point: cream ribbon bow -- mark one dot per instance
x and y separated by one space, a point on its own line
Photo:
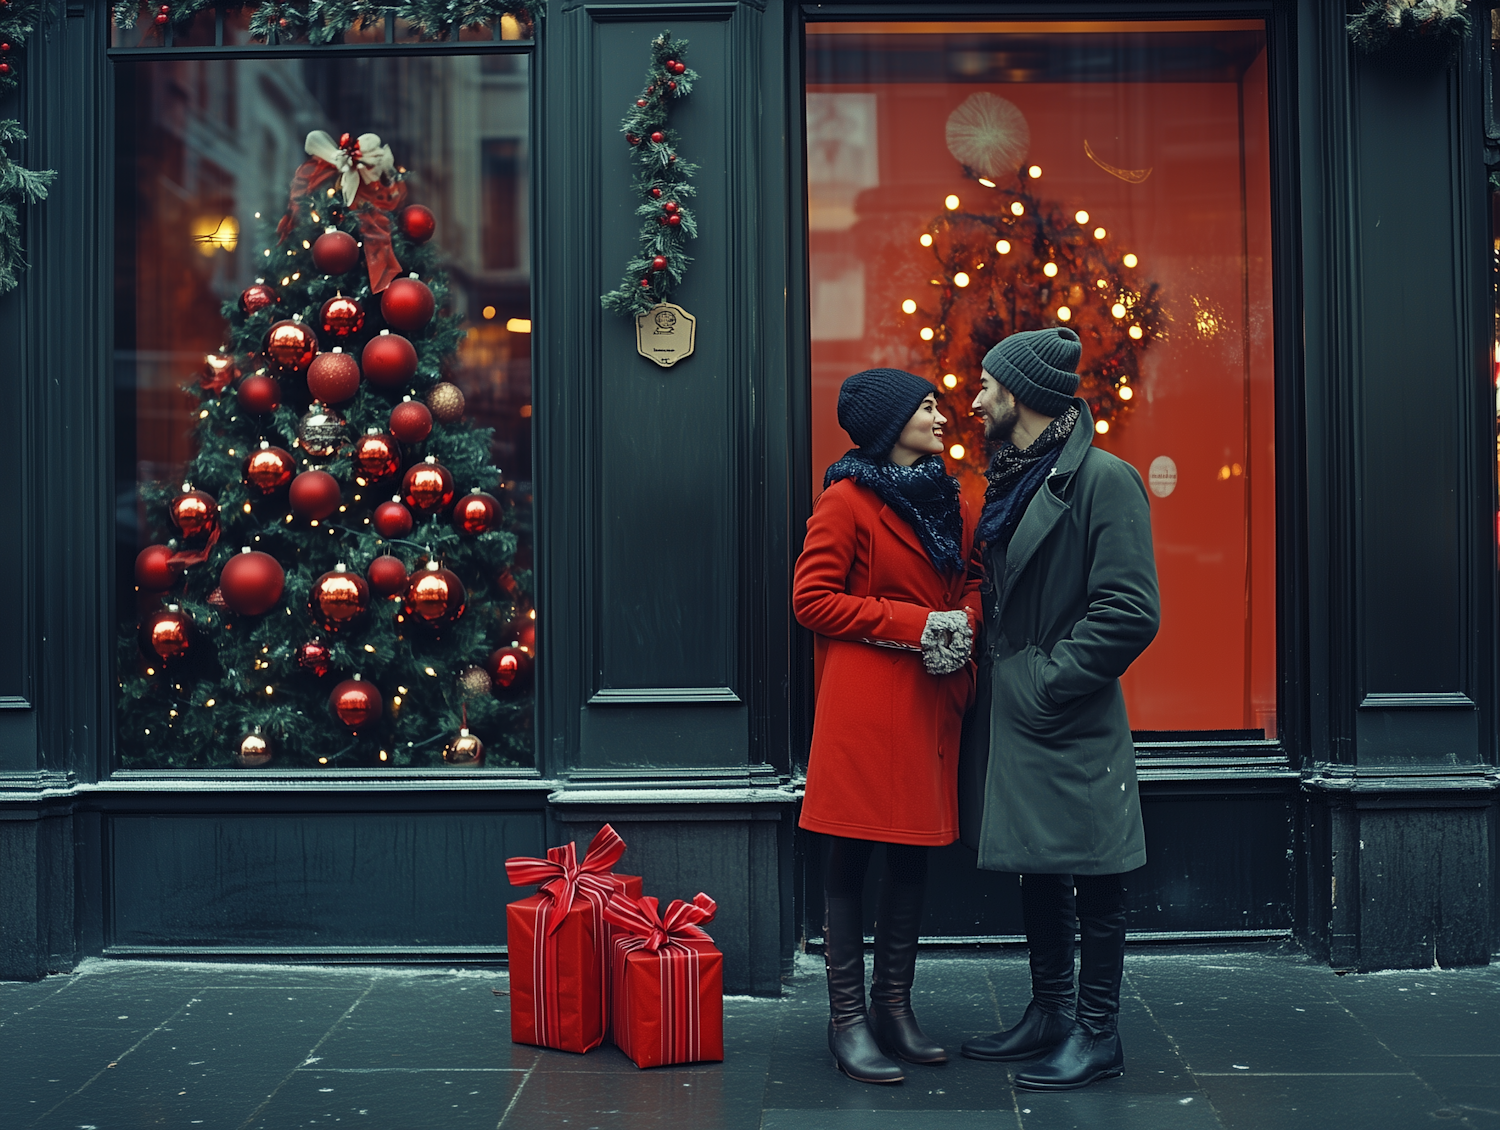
362 159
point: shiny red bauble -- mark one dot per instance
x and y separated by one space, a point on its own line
195 513
333 377
259 394
355 703
679 68
389 360
659 263
291 346
427 486
251 582
338 598
269 468
335 252
387 574
392 520
376 457
418 223
522 631
510 670
407 305
434 596
218 372
257 297
154 571
674 220
411 421
476 513
658 137
341 316
167 634
314 494
315 656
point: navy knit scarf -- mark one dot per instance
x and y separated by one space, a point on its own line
1016 475
924 495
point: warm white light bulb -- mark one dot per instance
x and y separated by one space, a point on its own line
925 240
1003 246
950 202
1117 310
960 279
957 451
1050 270
1017 208
926 334
950 380
1081 216
1130 260
1102 426
908 307
1126 392
985 181
1034 172
1063 313
1099 233
1135 332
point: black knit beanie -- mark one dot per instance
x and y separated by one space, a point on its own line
875 405
1038 367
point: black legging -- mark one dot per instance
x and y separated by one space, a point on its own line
847 861
1099 896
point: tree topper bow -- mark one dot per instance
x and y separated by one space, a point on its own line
561 875
652 932
354 159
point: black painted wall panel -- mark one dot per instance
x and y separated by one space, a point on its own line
665 736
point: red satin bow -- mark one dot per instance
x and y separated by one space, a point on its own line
639 917
561 875
371 203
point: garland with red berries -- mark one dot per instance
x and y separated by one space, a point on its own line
18 186
323 21
663 183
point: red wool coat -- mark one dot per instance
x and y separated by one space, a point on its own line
884 760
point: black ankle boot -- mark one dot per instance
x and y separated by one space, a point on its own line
1038 1032
849 1037
892 1021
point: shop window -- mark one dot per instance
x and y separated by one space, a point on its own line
968 180
357 641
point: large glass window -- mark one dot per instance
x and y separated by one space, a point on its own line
325 363
966 181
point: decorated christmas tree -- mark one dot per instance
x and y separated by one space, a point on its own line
336 581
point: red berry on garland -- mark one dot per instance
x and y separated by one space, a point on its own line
333 377
669 206
434 596
670 63
314 494
251 582
376 457
407 305
509 669
645 282
291 346
672 158
355 702
269 469
4 47
640 101
679 68
218 371
631 139
656 194
428 486
387 574
391 519
4 69
154 571
659 263
314 656
259 394
167 634
389 360
674 220
476 512
411 421
195 513
257 297
335 252
671 86
339 597
418 223
161 18
658 137
341 316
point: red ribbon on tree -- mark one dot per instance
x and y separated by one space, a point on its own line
364 169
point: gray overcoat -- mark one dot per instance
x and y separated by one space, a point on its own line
1047 768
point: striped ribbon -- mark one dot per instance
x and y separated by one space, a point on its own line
681 1023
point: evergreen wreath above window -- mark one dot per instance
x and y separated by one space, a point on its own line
1415 32
322 21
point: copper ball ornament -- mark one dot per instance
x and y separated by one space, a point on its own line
476 513
257 297
464 751
339 597
259 394
355 703
389 360
509 670
341 316
434 596
195 513
392 519
411 422
446 401
314 495
418 223
427 486
268 469
315 656
387 574
335 252
333 377
321 432
376 458
252 582
253 750
407 305
154 571
167 634
218 372
291 346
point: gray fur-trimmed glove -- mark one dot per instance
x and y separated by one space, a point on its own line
946 642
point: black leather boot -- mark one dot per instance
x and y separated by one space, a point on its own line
849 1037
1047 910
892 1021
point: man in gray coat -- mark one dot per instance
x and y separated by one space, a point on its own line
1047 778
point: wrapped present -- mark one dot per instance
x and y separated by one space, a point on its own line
667 981
559 943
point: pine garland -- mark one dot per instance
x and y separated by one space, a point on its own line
1420 30
322 21
18 19
663 183
18 187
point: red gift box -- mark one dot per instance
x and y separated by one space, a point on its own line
667 980
559 943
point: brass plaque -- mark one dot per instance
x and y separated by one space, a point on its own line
665 333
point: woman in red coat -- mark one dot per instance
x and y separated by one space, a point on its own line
883 583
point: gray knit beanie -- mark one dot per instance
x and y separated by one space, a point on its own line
875 405
1038 367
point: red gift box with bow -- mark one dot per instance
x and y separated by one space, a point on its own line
559 943
667 980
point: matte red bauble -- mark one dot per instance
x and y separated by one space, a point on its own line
257 297
510 670
418 223
411 421
407 305
389 360
338 598
167 634
314 494
269 469
341 316
195 514
387 574
315 656
476 513
291 346
335 252
259 394
333 377
154 571
434 596
252 582
427 486
391 519
355 703
376 457
218 372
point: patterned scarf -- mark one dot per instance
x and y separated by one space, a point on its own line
1015 475
924 495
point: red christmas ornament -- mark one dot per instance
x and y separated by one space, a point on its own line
387 574
355 703
510 669
674 220
640 101
218 372
333 377
392 520
434 596
418 223
257 297
411 421
335 252
389 360
315 656
645 282
659 263
252 582
669 206
407 305
341 316
376 457
269 469
679 68
476 513
167 634
161 19
428 486
338 598
314 494
669 64
656 194
291 346
154 571
195 513
671 86
259 394
658 137
522 631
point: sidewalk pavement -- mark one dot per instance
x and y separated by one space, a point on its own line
1251 1039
